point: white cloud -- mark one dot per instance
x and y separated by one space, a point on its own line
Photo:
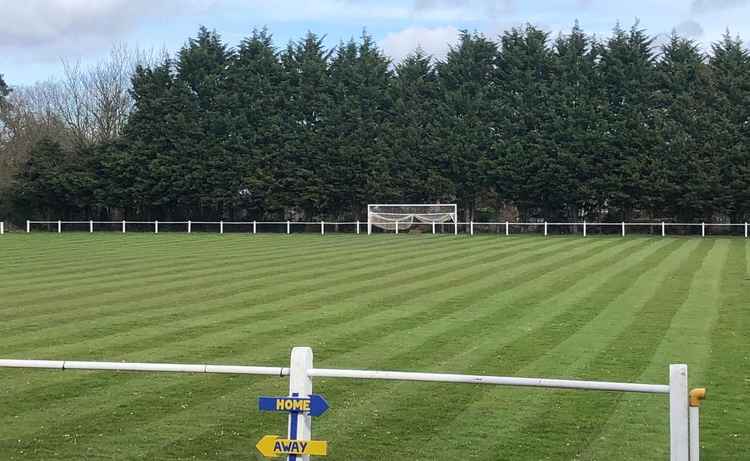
689 29
55 23
433 41
702 6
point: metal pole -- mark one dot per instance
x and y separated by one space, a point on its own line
545 228
2 227
455 226
300 385
507 228
679 434
703 229
28 227
91 226
358 227
123 226
322 228
254 228
397 227
59 226
584 228
695 450
288 227
433 227
221 227
471 227
745 230
190 226
696 397
623 228
156 227
663 229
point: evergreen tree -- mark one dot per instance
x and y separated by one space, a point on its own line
418 169
686 178
620 171
530 168
469 137
255 92
357 165
304 158
212 184
730 65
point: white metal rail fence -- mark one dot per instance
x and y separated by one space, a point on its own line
683 404
583 228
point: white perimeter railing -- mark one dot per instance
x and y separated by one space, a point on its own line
683 405
470 228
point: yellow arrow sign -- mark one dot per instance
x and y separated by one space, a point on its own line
272 446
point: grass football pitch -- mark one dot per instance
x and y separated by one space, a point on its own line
615 309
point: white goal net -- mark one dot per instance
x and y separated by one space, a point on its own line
400 217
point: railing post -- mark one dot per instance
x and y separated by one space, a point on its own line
221 227
397 227
696 396
663 229
358 227
255 229
300 385
584 228
369 226
28 227
455 227
433 227
123 226
156 226
59 226
545 228
703 229
322 228
2 227
471 227
745 230
288 227
679 433
190 226
507 228
623 228
91 226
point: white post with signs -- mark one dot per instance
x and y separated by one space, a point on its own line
300 385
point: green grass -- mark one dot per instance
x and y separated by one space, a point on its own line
597 308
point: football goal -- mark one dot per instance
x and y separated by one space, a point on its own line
401 217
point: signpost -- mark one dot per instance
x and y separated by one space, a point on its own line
272 446
315 405
301 405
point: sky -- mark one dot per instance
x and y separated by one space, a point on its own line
37 35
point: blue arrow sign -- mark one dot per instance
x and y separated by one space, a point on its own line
315 405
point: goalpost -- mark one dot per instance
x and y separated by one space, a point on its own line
399 217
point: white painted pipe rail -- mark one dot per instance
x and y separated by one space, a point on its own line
132 366
496 380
